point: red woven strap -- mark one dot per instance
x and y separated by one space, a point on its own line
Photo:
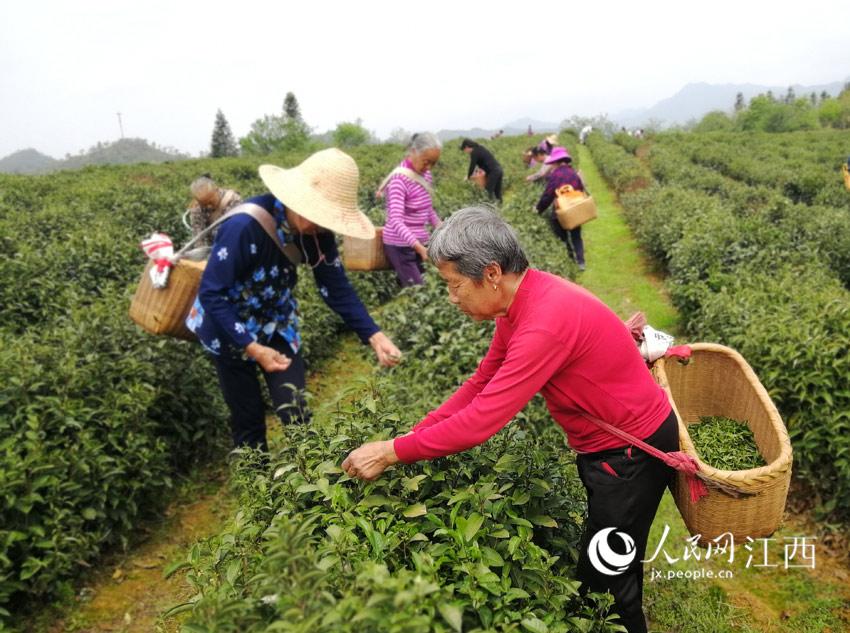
635 325
162 264
682 352
677 459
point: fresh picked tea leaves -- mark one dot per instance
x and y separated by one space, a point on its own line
725 444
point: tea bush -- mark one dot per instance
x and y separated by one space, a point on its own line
757 263
97 417
485 540
620 168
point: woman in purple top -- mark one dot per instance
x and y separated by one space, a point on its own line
408 192
563 174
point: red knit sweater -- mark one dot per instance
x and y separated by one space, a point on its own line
560 340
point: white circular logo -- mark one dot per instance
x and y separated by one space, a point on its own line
604 559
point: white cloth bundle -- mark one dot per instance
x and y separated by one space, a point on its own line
654 344
160 249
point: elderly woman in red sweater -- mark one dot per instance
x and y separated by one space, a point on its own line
555 338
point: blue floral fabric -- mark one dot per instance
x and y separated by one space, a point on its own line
246 289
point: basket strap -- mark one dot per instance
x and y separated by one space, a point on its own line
698 482
404 171
676 459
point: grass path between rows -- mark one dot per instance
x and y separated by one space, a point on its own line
128 593
764 599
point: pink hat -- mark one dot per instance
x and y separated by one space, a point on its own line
558 153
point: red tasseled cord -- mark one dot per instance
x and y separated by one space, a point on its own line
677 459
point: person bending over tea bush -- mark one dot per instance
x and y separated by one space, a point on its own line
408 190
209 203
480 157
555 338
245 314
562 173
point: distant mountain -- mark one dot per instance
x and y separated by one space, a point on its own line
124 151
27 161
537 126
697 99
476 132
512 128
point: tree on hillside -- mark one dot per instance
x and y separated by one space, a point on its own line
835 113
277 132
399 135
740 104
223 143
824 95
600 123
768 115
291 108
351 134
715 121
790 96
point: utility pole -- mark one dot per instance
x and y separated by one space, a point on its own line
120 126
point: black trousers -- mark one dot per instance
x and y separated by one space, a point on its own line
571 238
494 184
240 385
624 487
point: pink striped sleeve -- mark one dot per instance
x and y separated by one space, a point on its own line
396 193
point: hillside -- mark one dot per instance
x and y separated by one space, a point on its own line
123 151
697 99
27 161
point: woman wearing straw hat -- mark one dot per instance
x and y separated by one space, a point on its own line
548 143
408 192
245 314
562 173
554 338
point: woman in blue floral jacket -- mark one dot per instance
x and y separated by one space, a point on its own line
245 313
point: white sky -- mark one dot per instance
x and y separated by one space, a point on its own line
67 67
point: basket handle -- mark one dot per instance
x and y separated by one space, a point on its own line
188 245
260 215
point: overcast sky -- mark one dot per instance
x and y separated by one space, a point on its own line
67 67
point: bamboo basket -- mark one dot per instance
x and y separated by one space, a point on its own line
574 211
164 311
718 382
479 177
368 254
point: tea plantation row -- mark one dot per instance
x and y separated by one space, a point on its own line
485 540
756 270
97 417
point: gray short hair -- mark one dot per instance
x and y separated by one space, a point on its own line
475 237
424 141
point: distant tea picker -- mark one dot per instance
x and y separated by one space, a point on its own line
481 158
209 203
409 194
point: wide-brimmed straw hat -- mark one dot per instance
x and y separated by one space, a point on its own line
552 139
322 189
558 153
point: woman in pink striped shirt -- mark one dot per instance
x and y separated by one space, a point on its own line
408 192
